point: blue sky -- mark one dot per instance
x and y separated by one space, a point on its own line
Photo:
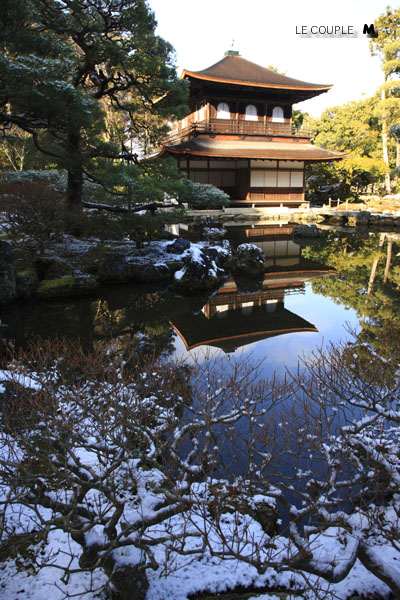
264 31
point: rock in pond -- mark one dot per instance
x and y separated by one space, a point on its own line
114 268
27 283
363 218
149 273
248 260
67 287
178 246
305 231
221 254
248 285
213 234
200 273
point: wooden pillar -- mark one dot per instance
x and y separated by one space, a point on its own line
265 117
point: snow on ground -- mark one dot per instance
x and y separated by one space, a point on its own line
16 583
188 576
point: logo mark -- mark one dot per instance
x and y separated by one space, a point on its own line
370 31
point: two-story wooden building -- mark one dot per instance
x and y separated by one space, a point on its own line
239 135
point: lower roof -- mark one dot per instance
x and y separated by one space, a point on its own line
236 329
207 147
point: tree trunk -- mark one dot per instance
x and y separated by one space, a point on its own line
385 141
396 179
75 170
388 259
375 264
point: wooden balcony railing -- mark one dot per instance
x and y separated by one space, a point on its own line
235 127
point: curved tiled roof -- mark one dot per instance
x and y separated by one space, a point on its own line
235 69
210 147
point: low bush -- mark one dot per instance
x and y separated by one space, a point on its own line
33 214
204 195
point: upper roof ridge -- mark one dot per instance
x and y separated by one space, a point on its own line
233 68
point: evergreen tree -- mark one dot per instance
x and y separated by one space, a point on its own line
354 128
68 66
387 46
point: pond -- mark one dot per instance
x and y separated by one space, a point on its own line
312 294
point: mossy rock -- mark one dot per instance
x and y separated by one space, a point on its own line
173 265
27 282
67 287
52 267
149 273
114 268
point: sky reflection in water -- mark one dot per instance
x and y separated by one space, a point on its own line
329 318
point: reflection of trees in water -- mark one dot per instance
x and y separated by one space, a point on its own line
126 313
143 321
368 282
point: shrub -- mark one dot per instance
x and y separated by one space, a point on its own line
33 214
146 227
100 225
143 228
204 195
113 449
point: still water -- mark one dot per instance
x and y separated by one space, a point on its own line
293 313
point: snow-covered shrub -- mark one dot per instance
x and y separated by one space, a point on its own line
154 470
122 456
56 179
353 393
205 195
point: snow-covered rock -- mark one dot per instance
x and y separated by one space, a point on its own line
249 261
200 273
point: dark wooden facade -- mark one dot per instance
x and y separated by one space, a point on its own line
239 134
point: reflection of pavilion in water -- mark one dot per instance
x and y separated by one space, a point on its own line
231 319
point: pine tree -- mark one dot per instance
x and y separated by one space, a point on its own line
67 65
387 46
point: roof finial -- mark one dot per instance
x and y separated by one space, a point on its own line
231 50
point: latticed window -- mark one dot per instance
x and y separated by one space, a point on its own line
223 111
277 115
251 113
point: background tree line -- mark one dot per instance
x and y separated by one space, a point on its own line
367 129
87 86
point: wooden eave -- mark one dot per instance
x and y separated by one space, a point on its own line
252 84
256 150
266 92
250 93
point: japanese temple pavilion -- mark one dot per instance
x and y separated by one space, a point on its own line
239 135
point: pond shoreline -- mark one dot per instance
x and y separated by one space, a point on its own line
73 267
